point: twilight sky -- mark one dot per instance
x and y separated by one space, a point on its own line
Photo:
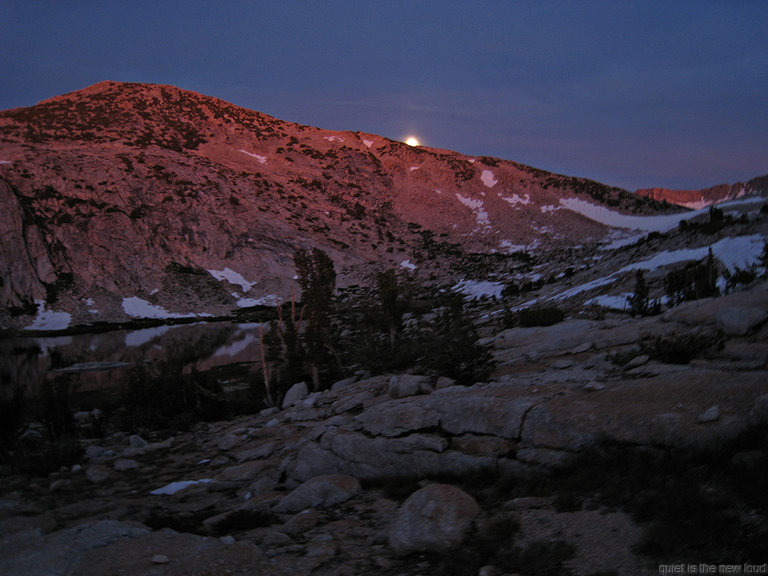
642 93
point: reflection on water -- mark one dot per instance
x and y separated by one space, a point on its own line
100 361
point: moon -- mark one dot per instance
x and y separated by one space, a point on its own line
412 141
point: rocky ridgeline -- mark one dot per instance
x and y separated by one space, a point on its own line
388 474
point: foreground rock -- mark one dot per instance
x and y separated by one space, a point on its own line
374 471
435 518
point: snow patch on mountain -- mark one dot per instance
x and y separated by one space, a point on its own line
489 178
476 289
408 265
232 277
478 207
261 159
515 199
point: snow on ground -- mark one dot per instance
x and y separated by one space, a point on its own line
514 200
509 247
548 208
334 139
612 302
6 162
478 207
488 178
173 487
232 277
140 308
49 319
268 300
414 168
368 143
740 251
475 289
261 159
408 265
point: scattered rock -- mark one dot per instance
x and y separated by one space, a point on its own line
301 522
711 414
444 382
228 441
98 474
123 464
759 412
637 361
434 518
137 441
581 348
160 559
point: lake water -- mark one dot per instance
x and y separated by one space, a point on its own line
95 364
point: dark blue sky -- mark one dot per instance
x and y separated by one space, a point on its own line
634 94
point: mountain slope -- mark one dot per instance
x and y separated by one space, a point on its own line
131 199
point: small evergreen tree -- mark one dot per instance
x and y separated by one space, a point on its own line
639 302
317 279
392 307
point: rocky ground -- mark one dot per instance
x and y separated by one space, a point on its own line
556 466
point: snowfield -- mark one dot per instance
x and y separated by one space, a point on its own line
741 251
613 219
661 223
139 308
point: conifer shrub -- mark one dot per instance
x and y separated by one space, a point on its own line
677 348
540 316
693 281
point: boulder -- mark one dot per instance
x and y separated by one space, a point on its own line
319 492
435 518
295 394
738 320
403 385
